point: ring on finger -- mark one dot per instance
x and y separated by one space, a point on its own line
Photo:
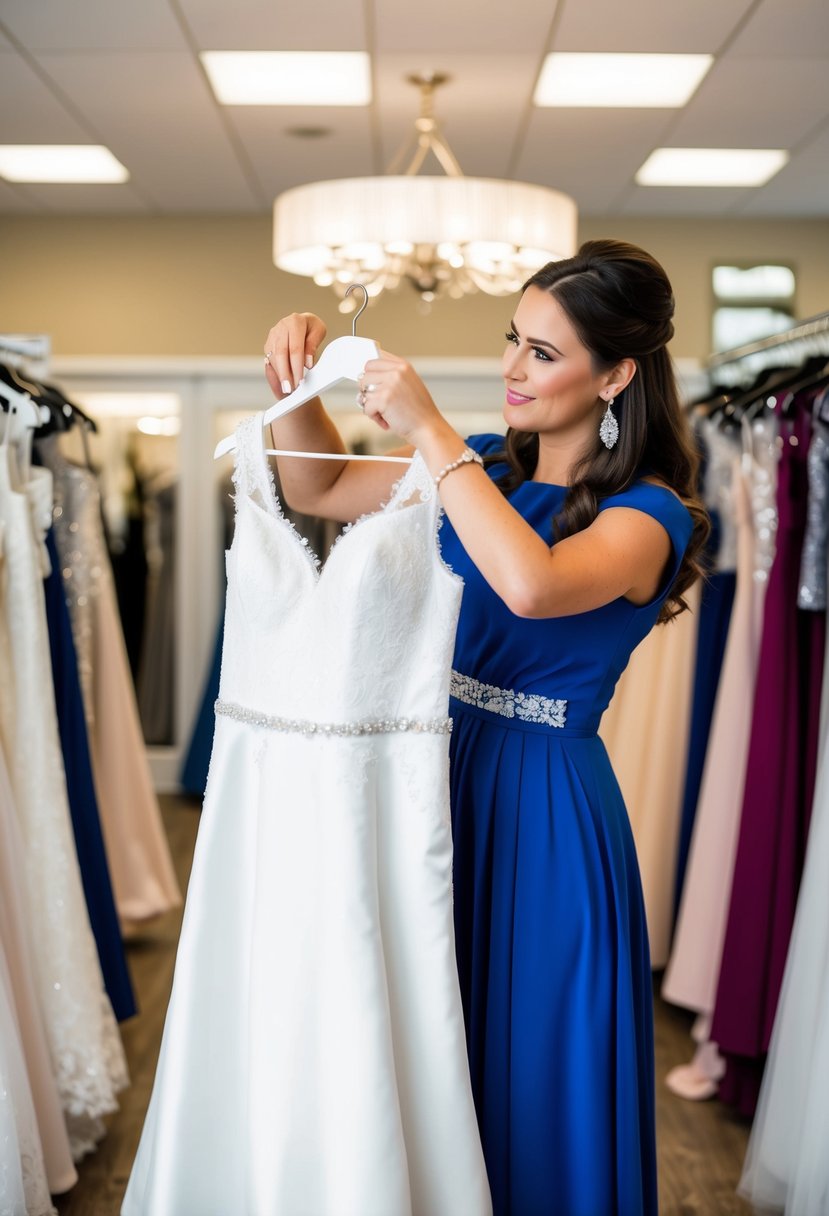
370 388
361 400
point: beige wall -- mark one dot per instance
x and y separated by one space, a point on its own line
193 285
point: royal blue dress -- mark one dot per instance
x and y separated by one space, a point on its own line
550 924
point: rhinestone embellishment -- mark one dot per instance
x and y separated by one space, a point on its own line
528 706
609 429
300 726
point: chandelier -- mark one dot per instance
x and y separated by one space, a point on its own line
446 235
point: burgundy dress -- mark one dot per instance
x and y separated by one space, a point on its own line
778 794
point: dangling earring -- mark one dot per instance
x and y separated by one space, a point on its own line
609 429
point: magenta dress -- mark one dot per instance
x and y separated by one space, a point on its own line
778 793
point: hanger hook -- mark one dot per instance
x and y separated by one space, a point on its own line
361 309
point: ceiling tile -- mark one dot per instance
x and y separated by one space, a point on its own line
755 103
283 160
92 25
591 154
79 199
17 200
250 25
679 200
784 27
155 112
800 188
480 123
648 26
29 112
441 29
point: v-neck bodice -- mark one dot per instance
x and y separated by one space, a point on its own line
368 636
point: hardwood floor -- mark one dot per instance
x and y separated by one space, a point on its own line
701 1145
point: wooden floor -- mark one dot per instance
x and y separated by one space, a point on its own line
701 1145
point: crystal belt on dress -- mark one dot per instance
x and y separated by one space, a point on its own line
301 726
528 706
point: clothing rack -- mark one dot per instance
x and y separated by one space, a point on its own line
809 337
32 349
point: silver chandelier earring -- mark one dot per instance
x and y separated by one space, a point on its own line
609 429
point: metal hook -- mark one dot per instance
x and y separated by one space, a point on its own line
362 307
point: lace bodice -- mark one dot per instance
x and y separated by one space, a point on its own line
367 636
84 559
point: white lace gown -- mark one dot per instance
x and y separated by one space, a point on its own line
84 1042
313 1060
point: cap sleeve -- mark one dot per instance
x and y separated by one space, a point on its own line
486 445
663 506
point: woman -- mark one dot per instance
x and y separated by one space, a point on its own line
581 531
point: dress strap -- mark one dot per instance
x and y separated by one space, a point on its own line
416 485
252 475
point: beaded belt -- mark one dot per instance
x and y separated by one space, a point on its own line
528 706
300 726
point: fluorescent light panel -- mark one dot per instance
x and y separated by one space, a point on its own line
60 163
289 78
711 166
570 78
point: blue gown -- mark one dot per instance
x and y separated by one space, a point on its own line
550 923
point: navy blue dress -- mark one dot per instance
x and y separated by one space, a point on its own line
80 789
550 924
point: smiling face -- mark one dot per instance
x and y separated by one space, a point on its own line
552 386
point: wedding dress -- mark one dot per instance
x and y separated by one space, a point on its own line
314 1058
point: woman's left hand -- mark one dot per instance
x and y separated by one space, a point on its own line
396 398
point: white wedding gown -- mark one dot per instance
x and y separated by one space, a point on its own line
313 1060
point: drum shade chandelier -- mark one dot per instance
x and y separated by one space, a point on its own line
446 235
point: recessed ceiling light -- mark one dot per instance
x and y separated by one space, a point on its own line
289 78
571 78
711 166
60 163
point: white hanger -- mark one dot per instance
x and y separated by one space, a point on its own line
342 359
24 415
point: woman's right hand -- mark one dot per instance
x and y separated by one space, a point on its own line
290 348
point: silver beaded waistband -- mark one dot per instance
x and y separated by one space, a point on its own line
528 706
300 726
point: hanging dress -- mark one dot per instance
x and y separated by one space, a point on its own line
23 1187
787 1165
549 918
779 788
87 1055
80 787
716 602
140 864
313 1056
694 965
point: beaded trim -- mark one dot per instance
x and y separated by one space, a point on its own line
300 726
528 706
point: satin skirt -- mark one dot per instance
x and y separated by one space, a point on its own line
554 970
313 1061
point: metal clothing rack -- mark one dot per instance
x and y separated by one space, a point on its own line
809 337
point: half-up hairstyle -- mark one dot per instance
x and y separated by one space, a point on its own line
619 301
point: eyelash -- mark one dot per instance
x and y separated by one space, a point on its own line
542 354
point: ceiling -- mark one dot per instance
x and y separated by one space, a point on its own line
127 75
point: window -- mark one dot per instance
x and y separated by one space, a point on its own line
750 302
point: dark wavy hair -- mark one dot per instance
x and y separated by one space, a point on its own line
619 301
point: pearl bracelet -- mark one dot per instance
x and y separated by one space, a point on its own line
468 457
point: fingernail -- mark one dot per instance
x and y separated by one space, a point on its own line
309 361
286 386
